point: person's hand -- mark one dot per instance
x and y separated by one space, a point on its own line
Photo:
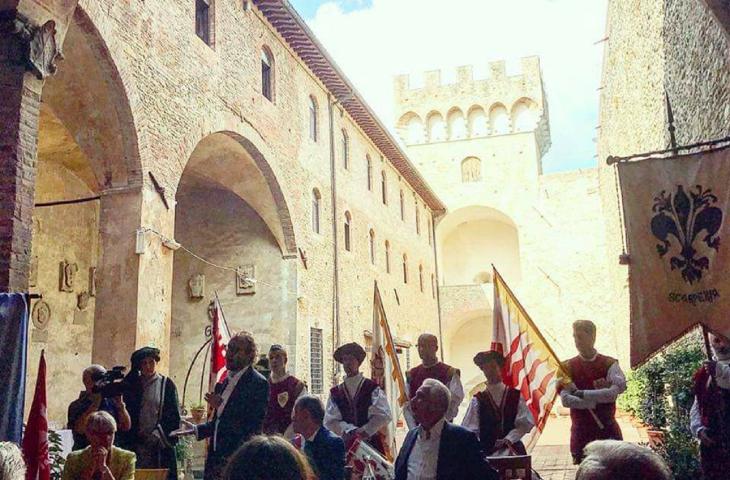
187 428
361 433
710 367
579 393
601 383
705 438
502 443
213 399
99 459
117 401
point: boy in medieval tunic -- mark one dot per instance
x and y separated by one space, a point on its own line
284 390
358 407
710 414
498 415
430 367
597 380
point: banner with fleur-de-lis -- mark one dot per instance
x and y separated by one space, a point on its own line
678 241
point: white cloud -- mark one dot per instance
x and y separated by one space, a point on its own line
391 37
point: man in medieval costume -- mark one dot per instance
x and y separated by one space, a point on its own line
284 390
431 367
596 382
498 415
358 407
710 414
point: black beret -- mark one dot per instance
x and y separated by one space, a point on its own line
353 349
143 353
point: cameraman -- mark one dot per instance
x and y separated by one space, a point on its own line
90 402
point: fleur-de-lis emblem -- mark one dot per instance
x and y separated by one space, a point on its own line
687 216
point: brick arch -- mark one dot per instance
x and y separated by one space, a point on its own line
232 160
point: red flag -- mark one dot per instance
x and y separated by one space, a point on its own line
221 336
35 440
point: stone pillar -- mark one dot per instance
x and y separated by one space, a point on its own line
27 56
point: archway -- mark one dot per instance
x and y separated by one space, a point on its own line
231 213
88 168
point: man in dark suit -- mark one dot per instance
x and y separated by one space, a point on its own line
436 449
240 406
324 449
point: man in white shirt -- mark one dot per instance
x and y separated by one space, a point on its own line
357 407
240 406
437 449
498 415
597 380
710 414
431 367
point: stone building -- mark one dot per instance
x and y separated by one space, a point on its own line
675 49
182 148
480 143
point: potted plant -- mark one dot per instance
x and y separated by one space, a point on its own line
198 411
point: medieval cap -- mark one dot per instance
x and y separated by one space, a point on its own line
143 353
353 349
490 355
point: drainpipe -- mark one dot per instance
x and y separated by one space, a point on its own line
335 270
436 286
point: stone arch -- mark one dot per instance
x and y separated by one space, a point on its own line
436 127
245 179
462 343
499 119
456 124
524 115
477 122
411 129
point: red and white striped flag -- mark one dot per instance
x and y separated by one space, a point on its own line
35 439
220 338
530 365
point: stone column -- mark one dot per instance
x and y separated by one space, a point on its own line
27 55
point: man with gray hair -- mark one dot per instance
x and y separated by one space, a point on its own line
436 449
612 459
324 449
12 465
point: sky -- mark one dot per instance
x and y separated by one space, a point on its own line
374 40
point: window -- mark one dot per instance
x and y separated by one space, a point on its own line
345 150
457 125
402 207
372 247
348 221
202 20
384 188
405 268
316 197
316 366
477 121
499 120
418 220
312 119
433 286
420 277
387 256
436 127
267 74
369 172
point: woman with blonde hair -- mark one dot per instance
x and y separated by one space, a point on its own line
12 465
268 458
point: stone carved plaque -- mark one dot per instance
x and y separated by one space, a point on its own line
246 280
196 287
92 281
83 299
41 315
67 276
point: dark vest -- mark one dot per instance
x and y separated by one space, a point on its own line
417 375
282 396
355 410
583 374
496 421
714 405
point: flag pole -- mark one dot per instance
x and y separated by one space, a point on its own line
223 314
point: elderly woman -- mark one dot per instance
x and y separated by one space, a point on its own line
12 466
611 459
101 460
154 410
268 458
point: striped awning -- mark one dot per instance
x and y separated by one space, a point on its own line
300 38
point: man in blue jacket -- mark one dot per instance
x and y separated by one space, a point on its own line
325 450
239 404
436 449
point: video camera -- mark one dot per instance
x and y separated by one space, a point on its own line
111 383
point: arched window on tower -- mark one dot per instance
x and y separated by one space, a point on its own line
312 119
348 226
372 246
345 150
414 132
316 198
418 218
267 73
499 119
477 121
471 170
524 116
369 167
436 127
387 256
457 125
402 206
384 187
